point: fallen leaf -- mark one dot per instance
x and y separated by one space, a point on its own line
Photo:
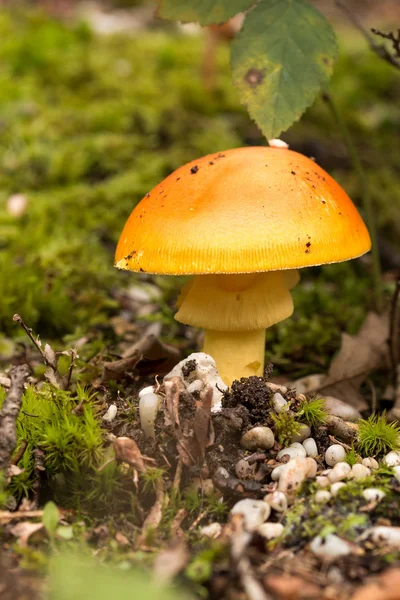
24 530
127 450
170 561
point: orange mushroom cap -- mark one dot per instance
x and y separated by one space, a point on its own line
242 211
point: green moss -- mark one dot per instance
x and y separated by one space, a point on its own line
352 457
312 412
285 426
376 436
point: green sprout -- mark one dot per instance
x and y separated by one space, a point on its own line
285 426
377 436
312 412
352 458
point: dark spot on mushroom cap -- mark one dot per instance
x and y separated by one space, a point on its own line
323 201
178 178
141 270
308 244
211 162
293 172
254 77
194 170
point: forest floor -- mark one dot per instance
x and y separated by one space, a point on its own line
88 125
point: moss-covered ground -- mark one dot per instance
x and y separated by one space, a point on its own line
88 125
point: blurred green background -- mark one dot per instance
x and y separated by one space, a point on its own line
89 122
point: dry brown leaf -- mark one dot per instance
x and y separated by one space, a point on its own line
202 422
126 450
24 530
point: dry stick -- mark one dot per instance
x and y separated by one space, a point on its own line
366 196
19 454
394 329
379 49
9 414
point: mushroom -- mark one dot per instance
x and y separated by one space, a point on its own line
241 222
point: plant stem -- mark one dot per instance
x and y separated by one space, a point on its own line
365 194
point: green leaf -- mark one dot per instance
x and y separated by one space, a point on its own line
50 518
204 12
280 59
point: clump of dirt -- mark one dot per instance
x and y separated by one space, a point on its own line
253 394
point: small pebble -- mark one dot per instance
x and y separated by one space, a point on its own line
270 530
276 473
334 454
322 481
274 387
370 462
213 530
222 472
373 494
111 413
392 459
322 496
330 547
303 433
244 470
295 472
339 472
359 471
254 512
382 535
279 403
310 447
203 486
258 437
396 473
290 452
335 487
277 501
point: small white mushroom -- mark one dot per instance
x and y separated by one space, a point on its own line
334 454
270 530
359 471
254 512
370 462
148 408
330 547
392 459
322 496
322 481
302 434
277 501
373 494
382 534
335 487
339 472
213 530
279 403
258 437
295 472
111 413
290 452
310 447
276 473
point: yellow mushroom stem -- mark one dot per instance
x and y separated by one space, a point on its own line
235 311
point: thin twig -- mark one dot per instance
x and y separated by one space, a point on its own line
365 193
29 333
9 413
379 49
19 453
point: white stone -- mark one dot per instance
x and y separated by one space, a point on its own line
274 387
213 530
339 472
373 494
335 487
290 452
295 472
254 512
277 143
310 446
322 481
222 472
322 496
392 459
382 534
330 547
206 372
276 473
111 413
277 501
270 530
258 437
303 433
17 205
334 454
396 472
359 471
279 403
370 462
